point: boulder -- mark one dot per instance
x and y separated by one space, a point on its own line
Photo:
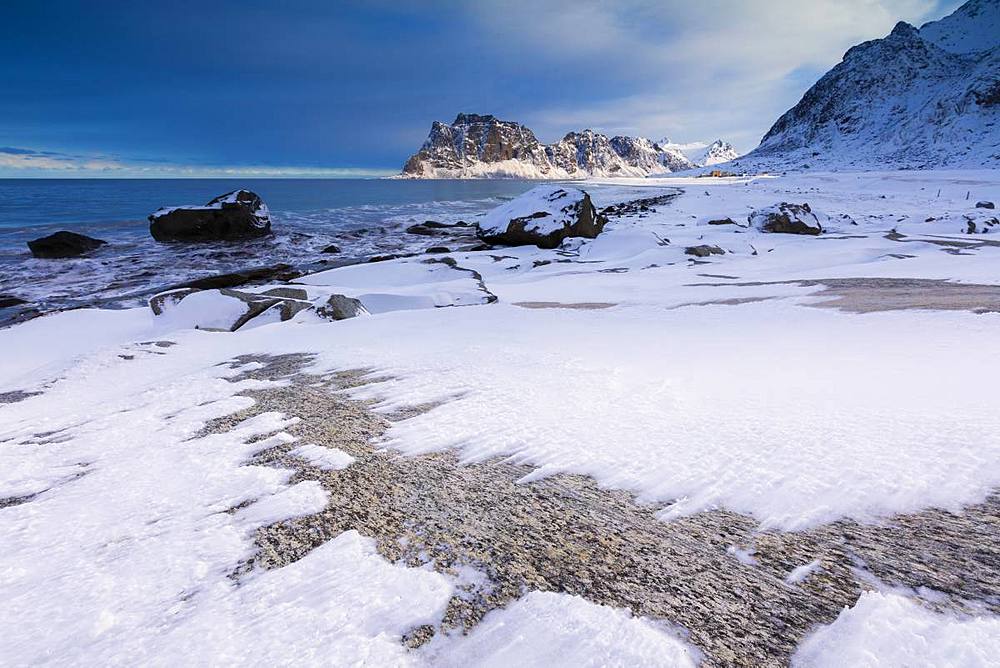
240 214
543 216
703 251
332 248
722 221
339 307
985 205
64 244
785 218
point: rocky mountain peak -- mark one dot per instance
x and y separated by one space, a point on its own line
481 145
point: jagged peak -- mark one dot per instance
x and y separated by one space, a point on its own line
471 119
904 29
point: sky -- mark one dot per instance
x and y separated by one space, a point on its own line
341 88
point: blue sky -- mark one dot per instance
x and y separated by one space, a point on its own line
340 88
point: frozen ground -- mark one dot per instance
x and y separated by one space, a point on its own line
745 382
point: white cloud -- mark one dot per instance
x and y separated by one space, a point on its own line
696 70
30 162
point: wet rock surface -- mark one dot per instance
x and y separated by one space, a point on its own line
716 574
64 244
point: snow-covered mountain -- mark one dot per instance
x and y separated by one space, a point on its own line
483 146
700 154
914 99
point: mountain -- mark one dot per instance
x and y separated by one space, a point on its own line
483 146
699 154
477 145
915 99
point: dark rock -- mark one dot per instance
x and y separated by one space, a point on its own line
64 244
438 249
6 301
332 248
543 216
703 251
339 307
722 221
424 230
985 205
240 214
287 293
785 218
277 272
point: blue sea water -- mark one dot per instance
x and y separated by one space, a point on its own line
361 216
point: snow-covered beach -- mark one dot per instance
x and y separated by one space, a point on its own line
624 450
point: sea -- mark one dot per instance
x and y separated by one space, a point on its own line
362 217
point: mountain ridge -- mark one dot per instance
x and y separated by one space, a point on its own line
483 146
915 99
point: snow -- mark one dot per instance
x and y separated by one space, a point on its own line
327 459
972 28
548 629
889 630
799 574
691 384
404 285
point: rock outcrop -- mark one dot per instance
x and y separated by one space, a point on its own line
543 216
704 250
240 214
483 146
785 218
64 244
339 307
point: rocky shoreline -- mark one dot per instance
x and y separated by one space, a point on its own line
734 590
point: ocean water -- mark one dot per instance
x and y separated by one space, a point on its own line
363 217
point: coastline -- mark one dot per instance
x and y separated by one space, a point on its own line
627 428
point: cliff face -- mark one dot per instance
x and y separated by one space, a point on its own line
474 140
482 146
914 99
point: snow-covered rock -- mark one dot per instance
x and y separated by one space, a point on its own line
223 310
915 99
402 285
482 146
785 218
240 214
543 216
